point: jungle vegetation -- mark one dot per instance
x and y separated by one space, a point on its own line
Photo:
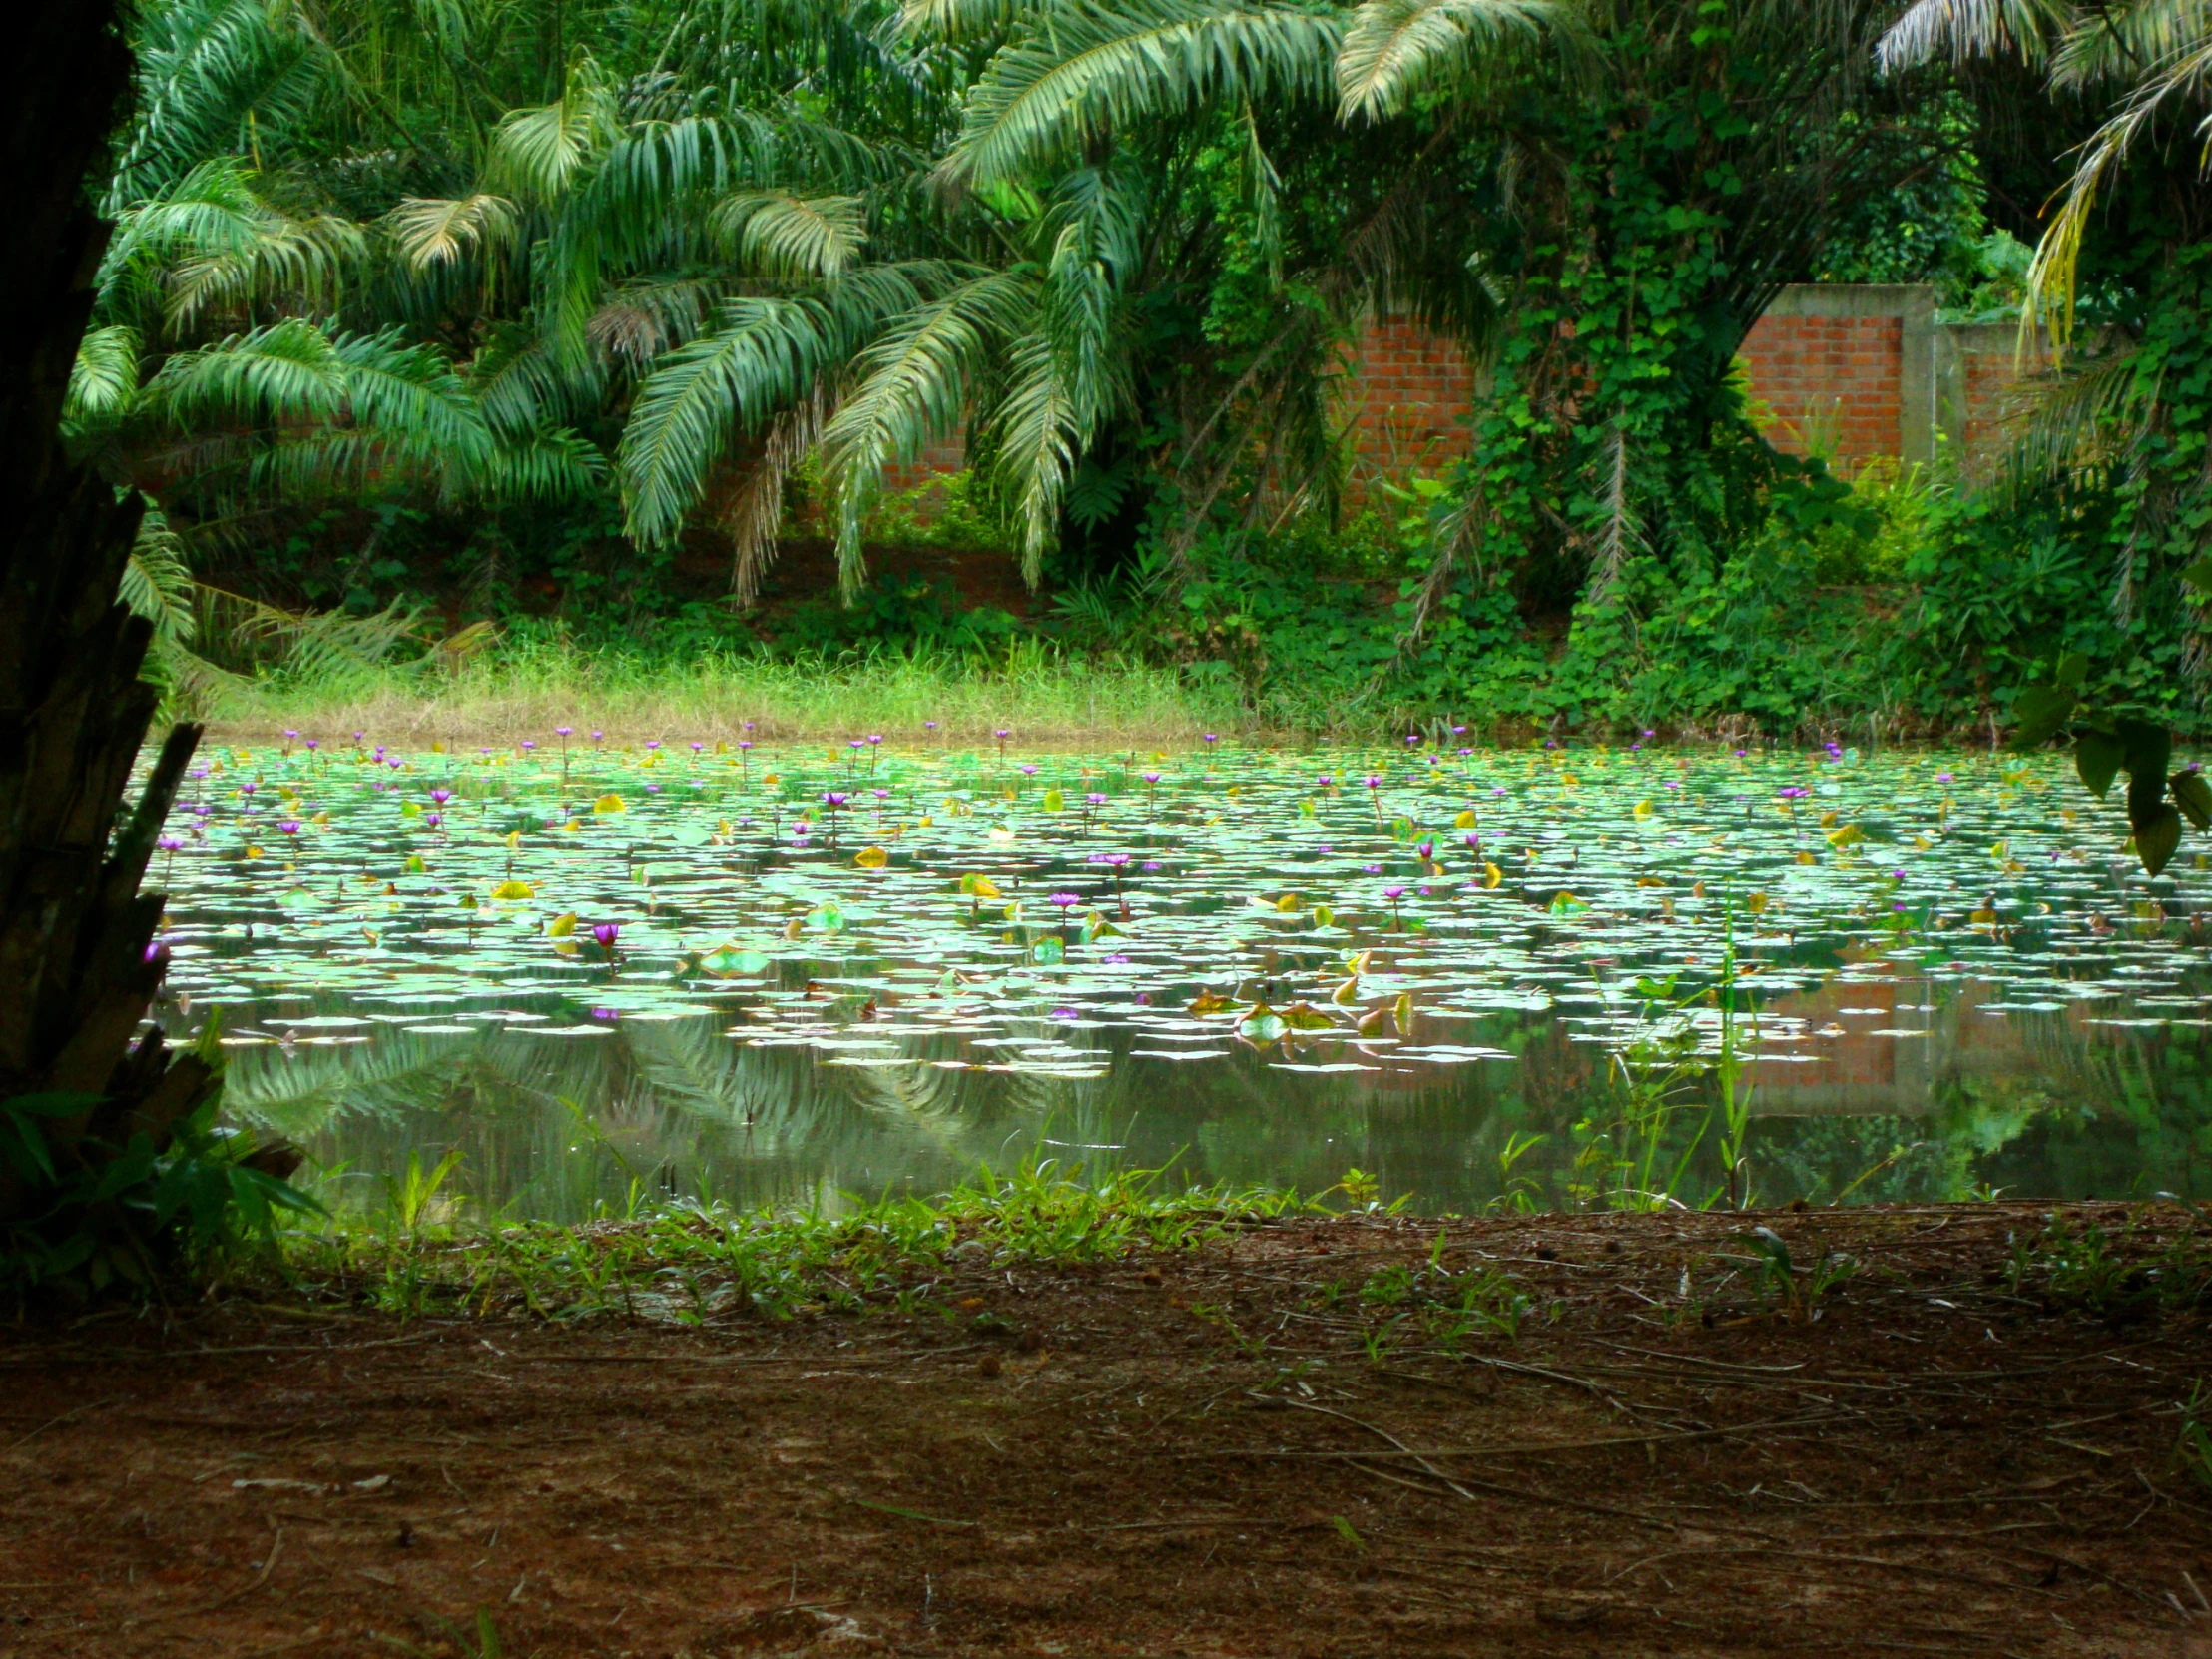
549 324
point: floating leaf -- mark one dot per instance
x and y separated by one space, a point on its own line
1848 835
562 925
610 804
1054 801
979 886
514 889
1304 1016
1754 902
1642 809
1492 877
1465 819
1209 1003
871 857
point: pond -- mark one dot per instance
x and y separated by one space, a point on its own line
1532 977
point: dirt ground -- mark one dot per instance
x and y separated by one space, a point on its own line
1202 1455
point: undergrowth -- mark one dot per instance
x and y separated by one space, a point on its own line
690 1262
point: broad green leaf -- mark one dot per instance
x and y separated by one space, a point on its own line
2097 757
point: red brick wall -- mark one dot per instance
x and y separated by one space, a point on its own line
1408 394
1828 382
1826 366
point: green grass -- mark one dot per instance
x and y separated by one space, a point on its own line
687 1263
527 689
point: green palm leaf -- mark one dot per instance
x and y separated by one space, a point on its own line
1396 47
1084 70
913 386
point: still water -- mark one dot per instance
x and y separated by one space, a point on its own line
795 974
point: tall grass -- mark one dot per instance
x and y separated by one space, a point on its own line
522 689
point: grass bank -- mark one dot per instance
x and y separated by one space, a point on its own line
528 689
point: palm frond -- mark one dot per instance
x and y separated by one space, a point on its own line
2070 419
157 583
288 370
761 356
211 75
1958 30
755 513
410 395
912 387
778 234
2051 273
958 20
1086 69
430 232
1392 49
541 153
103 381
1036 433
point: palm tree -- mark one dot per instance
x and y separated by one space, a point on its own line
2151 58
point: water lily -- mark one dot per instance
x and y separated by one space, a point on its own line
1064 899
441 796
605 934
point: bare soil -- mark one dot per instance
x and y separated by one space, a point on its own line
1198 1456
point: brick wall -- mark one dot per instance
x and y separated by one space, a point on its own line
1828 382
1859 371
1407 394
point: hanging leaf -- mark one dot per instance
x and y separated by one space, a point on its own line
2157 840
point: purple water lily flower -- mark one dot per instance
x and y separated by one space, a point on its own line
835 797
441 796
1153 866
606 932
289 826
1064 899
169 844
563 730
433 819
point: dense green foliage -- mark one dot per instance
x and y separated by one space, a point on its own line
569 318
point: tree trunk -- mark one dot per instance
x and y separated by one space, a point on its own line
76 969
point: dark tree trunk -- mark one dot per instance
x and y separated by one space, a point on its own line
75 971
